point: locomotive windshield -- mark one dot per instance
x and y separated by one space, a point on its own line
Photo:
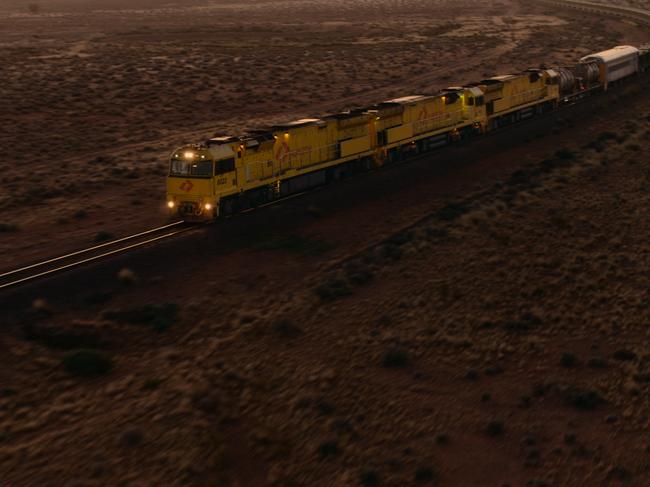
184 168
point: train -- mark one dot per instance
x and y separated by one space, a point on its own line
231 173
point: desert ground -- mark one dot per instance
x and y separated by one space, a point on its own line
481 321
492 332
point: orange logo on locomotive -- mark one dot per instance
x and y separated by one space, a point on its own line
282 152
186 186
422 120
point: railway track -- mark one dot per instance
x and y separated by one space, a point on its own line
638 15
65 262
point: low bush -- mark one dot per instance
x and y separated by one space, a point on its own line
597 363
286 329
423 474
333 288
391 251
568 360
87 363
358 272
103 236
604 136
369 478
443 439
525 323
565 154
395 358
494 429
328 449
8 227
151 384
624 355
582 398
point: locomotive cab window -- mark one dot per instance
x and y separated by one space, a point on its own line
222 167
189 168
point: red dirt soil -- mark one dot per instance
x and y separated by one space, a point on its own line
473 318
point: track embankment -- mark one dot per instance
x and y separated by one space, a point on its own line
636 14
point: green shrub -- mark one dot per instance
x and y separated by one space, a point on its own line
568 360
332 289
358 272
565 153
624 355
391 251
286 329
604 136
423 474
87 363
103 236
583 399
494 428
151 384
597 363
369 478
8 227
328 449
443 439
397 357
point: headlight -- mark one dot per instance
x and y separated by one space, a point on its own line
208 206
170 204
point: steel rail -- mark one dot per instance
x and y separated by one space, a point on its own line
87 251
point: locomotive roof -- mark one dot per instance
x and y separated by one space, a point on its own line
406 99
223 139
298 123
354 112
611 54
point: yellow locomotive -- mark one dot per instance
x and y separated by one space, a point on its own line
228 174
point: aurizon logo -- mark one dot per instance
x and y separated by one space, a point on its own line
282 152
424 114
186 186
